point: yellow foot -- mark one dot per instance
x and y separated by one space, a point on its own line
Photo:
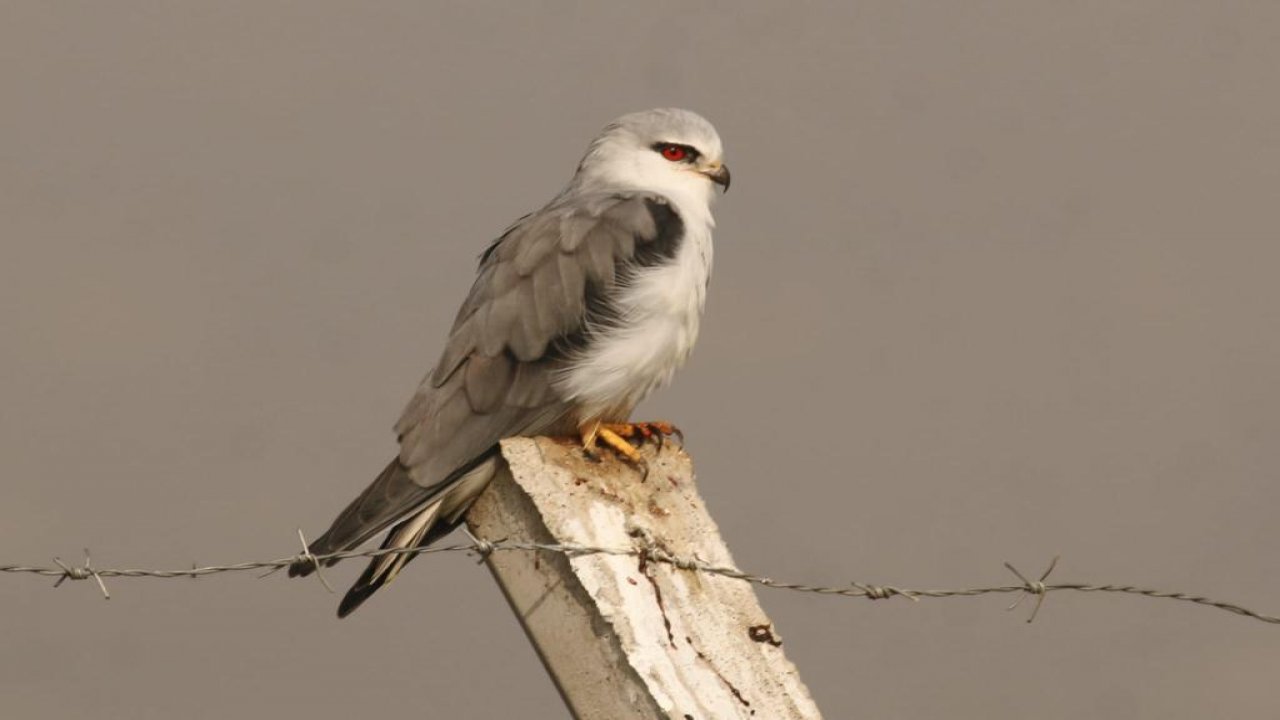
657 430
624 437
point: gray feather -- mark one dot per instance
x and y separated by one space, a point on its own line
487 381
527 311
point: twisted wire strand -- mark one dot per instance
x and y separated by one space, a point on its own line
1038 589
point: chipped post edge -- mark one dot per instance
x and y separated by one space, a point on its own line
591 620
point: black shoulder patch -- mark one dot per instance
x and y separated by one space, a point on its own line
669 233
660 248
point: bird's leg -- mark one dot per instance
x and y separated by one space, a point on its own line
620 445
597 432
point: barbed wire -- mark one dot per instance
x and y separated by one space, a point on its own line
1039 589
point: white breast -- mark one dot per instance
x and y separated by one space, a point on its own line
659 313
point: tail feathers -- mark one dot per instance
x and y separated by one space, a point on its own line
423 528
383 569
391 495
422 515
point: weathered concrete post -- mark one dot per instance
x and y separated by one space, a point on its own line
621 637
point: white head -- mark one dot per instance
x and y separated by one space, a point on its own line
668 151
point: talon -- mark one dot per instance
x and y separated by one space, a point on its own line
669 430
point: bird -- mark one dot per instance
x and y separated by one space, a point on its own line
578 311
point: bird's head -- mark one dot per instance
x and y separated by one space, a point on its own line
669 151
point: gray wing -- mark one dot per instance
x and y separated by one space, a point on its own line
527 310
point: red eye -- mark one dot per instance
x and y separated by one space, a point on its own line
674 153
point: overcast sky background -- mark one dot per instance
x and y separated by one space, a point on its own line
996 281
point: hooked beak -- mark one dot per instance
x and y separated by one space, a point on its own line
719 174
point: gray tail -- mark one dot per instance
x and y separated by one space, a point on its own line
422 529
388 498
424 515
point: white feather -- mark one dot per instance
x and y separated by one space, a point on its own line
658 312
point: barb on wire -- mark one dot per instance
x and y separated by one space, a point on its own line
84 572
484 548
310 558
1037 588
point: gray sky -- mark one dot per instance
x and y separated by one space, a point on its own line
995 282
